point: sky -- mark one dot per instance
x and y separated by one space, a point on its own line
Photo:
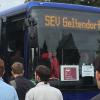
5 4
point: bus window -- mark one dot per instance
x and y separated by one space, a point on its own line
33 47
66 33
68 51
15 38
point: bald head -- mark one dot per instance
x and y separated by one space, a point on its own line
2 68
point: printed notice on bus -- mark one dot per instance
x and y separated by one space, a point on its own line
87 70
69 72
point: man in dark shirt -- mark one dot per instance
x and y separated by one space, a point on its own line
97 67
21 84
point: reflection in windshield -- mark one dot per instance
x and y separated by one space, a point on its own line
71 46
67 52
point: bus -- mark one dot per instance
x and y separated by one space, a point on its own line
70 33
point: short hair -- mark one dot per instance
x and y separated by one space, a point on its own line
43 72
2 67
97 63
17 68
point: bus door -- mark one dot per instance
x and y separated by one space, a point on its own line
13 40
3 37
32 44
0 34
26 54
4 47
0 29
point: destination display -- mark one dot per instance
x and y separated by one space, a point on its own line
73 19
56 21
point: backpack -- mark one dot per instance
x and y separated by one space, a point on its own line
13 83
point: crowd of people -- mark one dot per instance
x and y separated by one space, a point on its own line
20 88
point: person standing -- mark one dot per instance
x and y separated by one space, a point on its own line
21 84
43 90
7 92
97 67
55 67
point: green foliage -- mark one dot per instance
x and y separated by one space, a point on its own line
27 0
97 3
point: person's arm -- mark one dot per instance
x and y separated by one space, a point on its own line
15 95
61 96
29 96
97 97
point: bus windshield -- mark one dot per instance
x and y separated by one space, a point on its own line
72 36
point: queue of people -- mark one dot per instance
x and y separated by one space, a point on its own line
20 88
43 90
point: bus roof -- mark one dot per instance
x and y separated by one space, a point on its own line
27 6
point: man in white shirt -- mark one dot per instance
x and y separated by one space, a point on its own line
43 90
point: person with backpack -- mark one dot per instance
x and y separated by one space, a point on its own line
21 84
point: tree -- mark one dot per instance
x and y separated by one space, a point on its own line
97 3
27 0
